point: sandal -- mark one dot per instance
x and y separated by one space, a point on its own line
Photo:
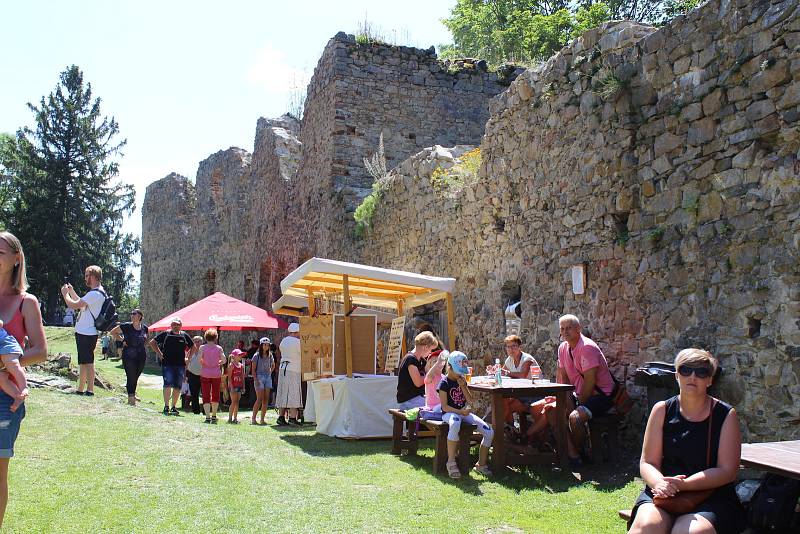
452 470
484 470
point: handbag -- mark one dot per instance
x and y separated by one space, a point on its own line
620 399
688 501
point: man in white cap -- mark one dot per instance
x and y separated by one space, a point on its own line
288 398
172 347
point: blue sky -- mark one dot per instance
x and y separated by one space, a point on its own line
185 79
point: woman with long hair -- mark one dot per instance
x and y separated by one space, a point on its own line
22 318
261 367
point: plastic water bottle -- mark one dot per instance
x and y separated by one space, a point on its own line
498 375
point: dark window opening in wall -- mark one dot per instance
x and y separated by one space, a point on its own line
176 294
753 327
412 136
511 295
499 225
248 288
210 281
621 227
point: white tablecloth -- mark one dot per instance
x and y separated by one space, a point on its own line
355 407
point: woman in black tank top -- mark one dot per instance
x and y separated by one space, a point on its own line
679 455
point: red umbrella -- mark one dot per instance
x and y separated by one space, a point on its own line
222 312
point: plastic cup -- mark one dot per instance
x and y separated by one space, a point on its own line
469 375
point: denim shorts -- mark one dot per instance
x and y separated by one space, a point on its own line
238 389
173 375
9 425
263 381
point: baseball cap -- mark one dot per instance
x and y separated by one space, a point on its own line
458 362
264 340
237 352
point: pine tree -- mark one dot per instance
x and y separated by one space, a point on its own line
69 204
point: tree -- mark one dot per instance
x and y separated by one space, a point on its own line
500 31
68 205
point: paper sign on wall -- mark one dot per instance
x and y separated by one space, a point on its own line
395 343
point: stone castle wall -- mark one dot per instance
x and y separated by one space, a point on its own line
665 162
678 191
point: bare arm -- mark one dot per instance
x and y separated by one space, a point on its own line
561 376
153 345
436 369
416 378
15 369
36 348
71 299
728 458
524 371
589 381
116 333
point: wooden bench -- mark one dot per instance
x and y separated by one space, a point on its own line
604 436
466 437
404 433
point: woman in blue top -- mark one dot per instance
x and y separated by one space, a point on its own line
692 442
134 355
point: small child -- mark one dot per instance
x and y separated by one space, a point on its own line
10 352
455 399
436 362
235 384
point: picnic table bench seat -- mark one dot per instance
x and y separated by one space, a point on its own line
405 436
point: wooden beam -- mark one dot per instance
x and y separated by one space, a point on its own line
381 293
451 322
367 283
403 345
348 335
311 303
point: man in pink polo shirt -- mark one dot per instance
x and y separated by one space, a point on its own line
582 364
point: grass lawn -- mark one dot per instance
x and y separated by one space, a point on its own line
98 465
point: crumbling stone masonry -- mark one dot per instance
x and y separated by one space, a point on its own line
664 161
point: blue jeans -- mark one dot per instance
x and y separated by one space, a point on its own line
9 425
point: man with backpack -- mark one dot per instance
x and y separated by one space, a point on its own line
90 307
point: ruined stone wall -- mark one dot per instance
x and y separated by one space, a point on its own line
666 163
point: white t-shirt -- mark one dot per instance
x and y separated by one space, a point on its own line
85 323
525 357
290 352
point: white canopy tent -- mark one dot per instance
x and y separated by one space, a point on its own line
362 285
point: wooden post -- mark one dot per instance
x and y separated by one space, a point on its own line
403 342
451 322
311 305
348 339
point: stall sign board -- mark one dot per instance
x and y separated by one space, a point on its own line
316 345
395 343
363 330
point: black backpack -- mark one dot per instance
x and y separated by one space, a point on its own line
772 508
107 318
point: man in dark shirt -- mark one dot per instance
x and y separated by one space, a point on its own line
172 347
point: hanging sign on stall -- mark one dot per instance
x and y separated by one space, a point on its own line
316 346
395 343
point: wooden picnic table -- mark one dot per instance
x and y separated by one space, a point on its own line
522 387
780 457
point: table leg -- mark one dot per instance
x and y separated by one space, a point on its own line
561 430
498 424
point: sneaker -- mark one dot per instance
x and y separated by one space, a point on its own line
165 411
484 470
301 420
214 420
174 411
281 421
78 392
293 422
89 394
208 420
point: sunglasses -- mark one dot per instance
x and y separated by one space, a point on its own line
699 372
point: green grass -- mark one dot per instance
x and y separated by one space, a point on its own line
98 465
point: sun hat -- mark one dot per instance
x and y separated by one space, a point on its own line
237 352
458 362
264 340
294 328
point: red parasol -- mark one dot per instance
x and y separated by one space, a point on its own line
222 312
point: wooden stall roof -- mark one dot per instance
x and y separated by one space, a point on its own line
369 286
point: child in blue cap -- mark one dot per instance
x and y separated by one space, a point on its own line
456 399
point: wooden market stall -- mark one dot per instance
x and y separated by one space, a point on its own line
359 293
